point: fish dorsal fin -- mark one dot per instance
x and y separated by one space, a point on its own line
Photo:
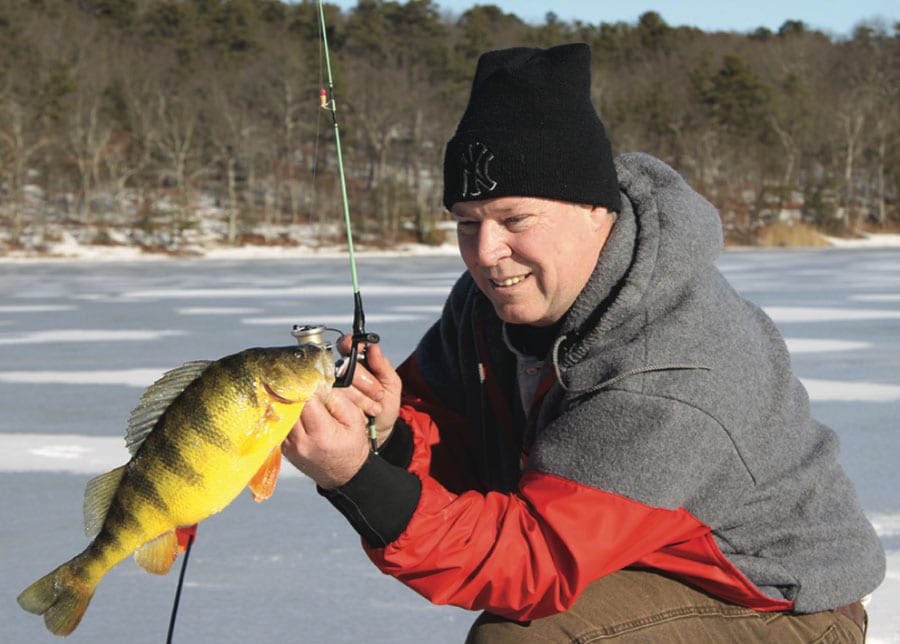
98 496
263 482
157 555
157 398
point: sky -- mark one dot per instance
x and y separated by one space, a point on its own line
836 18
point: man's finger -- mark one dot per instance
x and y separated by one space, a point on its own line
344 410
314 416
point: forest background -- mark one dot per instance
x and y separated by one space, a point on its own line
168 124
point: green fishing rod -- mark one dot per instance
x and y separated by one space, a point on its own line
360 338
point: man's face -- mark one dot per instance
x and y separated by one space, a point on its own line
531 257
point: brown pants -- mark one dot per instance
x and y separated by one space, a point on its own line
644 607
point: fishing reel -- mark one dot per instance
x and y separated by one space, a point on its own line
345 367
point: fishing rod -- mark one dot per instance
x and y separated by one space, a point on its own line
360 339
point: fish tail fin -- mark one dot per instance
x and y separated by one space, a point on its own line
60 597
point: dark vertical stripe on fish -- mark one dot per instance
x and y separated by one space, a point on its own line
192 411
106 542
141 486
175 462
162 447
118 520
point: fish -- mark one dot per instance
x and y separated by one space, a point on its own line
198 436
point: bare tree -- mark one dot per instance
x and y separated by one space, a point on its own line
19 147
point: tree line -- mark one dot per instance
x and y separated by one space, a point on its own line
156 114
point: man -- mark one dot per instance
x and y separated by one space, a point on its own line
599 439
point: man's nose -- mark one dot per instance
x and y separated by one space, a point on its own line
493 244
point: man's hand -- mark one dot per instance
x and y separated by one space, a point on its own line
330 442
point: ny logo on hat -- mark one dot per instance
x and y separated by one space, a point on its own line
476 179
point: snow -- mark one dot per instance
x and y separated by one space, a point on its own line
845 391
86 335
129 377
877 240
70 248
80 339
811 314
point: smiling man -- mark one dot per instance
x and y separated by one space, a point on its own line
599 439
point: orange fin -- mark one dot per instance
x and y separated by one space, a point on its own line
263 482
157 555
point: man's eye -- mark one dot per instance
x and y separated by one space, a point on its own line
519 222
467 227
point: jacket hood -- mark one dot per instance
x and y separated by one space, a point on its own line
664 236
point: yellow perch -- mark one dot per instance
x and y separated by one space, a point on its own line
199 435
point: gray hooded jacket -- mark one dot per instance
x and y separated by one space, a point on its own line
674 391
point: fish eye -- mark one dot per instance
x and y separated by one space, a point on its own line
300 354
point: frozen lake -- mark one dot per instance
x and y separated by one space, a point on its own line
80 339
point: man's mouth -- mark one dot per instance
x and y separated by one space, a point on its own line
510 281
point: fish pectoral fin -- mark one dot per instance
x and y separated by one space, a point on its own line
263 482
98 496
156 556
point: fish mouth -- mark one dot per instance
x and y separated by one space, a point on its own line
509 281
276 397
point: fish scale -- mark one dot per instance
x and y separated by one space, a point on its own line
200 435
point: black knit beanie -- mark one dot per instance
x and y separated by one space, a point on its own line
530 129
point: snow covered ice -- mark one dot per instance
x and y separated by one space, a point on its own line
80 339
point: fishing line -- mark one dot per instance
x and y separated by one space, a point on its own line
187 552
